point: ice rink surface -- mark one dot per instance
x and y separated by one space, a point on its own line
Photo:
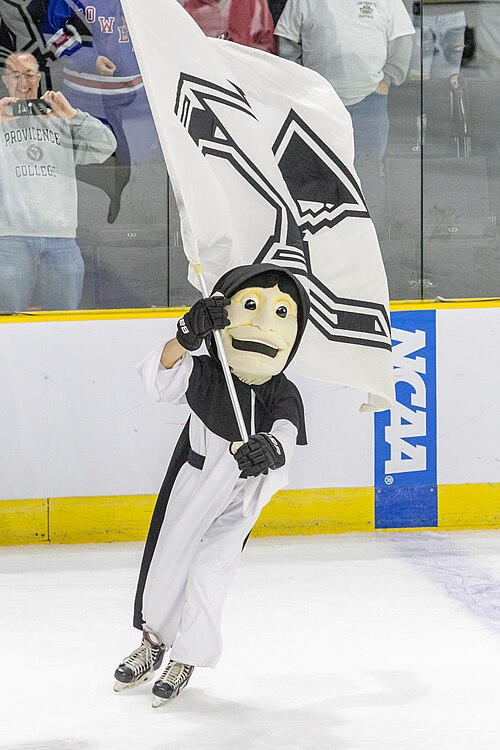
358 642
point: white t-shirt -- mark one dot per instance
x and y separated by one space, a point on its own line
345 40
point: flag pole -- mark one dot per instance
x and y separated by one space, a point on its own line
225 366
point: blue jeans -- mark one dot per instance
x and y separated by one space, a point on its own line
440 42
370 123
46 271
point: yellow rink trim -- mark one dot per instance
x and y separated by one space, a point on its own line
68 316
24 521
81 520
321 511
78 520
142 313
469 506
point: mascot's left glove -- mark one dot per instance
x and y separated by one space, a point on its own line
259 454
206 315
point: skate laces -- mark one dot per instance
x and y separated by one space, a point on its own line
175 673
140 660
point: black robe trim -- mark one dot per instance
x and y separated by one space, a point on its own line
179 458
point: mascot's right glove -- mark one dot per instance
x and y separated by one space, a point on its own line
259 454
206 315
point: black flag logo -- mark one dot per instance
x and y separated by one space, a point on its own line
322 188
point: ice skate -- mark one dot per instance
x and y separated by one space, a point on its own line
173 680
139 666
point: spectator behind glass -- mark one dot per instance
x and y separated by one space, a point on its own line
21 29
101 76
487 36
39 257
439 42
276 8
361 48
247 22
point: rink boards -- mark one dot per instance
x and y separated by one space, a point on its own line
84 451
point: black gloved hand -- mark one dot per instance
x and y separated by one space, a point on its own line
259 454
206 315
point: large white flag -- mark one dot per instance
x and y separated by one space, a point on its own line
260 155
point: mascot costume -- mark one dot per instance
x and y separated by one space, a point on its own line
216 485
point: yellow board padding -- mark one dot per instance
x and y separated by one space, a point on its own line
77 520
37 316
116 518
67 316
320 511
24 521
469 506
125 518
464 303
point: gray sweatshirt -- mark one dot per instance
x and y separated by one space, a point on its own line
38 155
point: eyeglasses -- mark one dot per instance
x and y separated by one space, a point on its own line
16 75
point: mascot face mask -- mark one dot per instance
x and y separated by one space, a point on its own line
261 332
267 319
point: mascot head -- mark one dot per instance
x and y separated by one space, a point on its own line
267 317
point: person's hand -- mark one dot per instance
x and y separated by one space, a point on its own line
59 105
105 66
259 454
206 315
4 103
382 88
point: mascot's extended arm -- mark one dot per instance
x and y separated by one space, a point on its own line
206 315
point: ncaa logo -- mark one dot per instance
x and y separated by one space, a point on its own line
408 417
405 436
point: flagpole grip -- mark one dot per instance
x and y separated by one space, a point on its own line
225 366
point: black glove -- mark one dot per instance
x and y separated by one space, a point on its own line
259 454
205 315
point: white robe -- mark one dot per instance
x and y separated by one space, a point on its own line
209 514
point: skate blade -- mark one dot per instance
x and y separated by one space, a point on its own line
158 702
121 686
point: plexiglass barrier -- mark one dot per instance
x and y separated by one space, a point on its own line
420 79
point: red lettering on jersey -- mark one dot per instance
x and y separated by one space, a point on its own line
106 24
90 13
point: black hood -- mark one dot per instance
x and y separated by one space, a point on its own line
268 275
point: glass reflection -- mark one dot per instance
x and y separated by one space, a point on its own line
421 81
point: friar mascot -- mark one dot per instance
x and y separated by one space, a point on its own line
215 486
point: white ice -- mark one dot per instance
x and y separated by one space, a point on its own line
372 641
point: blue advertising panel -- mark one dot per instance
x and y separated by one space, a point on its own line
405 436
